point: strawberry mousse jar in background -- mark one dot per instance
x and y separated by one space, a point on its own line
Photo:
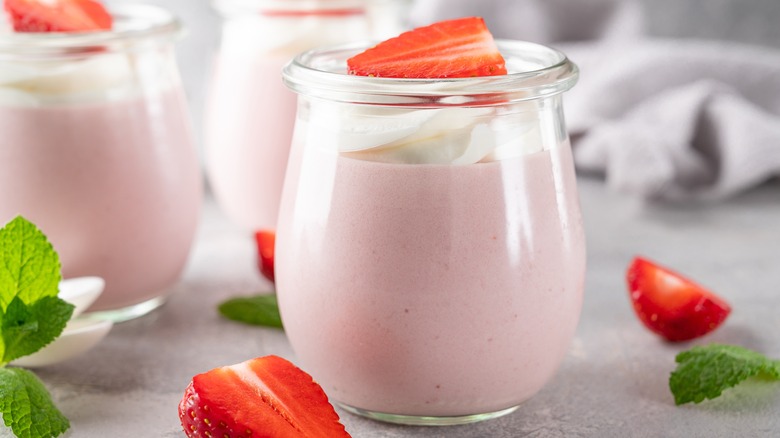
430 255
97 150
250 113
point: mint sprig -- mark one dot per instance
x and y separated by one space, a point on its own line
31 317
262 310
704 372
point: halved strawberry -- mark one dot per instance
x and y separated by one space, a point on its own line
263 397
448 49
671 305
58 15
265 253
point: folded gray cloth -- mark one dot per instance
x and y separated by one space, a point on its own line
661 119
677 120
542 21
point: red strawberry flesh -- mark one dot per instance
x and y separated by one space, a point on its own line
671 305
456 48
262 397
266 240
58 15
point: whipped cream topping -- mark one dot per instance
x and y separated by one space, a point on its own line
458 135
60 68
55 78
107 76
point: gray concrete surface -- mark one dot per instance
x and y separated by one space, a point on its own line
613 382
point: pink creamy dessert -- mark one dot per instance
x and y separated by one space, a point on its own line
114 185
396 310
96 149
249 120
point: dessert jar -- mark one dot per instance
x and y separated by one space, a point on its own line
250 113
96 149
430 255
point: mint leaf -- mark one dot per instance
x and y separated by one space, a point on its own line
32 314
704 372
29 266
27 329
260 310
27 407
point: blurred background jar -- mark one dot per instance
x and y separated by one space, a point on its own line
97 150
249 112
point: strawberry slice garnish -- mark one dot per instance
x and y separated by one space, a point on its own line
263 397
671 305
265 253
58 15
448 49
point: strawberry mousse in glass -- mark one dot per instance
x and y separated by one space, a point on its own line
96 149
430 255
250 113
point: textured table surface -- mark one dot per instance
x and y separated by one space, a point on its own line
612 383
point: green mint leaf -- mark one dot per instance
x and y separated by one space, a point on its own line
704 372
27 329
29 266
260 310
27 407
31 316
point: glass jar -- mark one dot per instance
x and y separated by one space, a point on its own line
96 149
430 255
250 113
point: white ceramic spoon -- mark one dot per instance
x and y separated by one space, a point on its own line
81 292
80 334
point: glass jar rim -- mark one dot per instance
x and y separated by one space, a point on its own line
132 23
536 71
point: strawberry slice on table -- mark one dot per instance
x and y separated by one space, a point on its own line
456 48
263 397
671 305
58 15
265 253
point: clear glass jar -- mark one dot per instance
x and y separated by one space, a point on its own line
250 113
430 255
97 150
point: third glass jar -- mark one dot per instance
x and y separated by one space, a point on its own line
250 113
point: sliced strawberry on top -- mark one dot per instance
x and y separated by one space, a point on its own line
671 305
266 240
263 397
58 15
448 49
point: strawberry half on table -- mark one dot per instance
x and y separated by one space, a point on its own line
263 397
266 241
457 48
58 15
671 305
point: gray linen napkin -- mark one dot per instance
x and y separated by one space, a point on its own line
677 120
541 21
662 119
